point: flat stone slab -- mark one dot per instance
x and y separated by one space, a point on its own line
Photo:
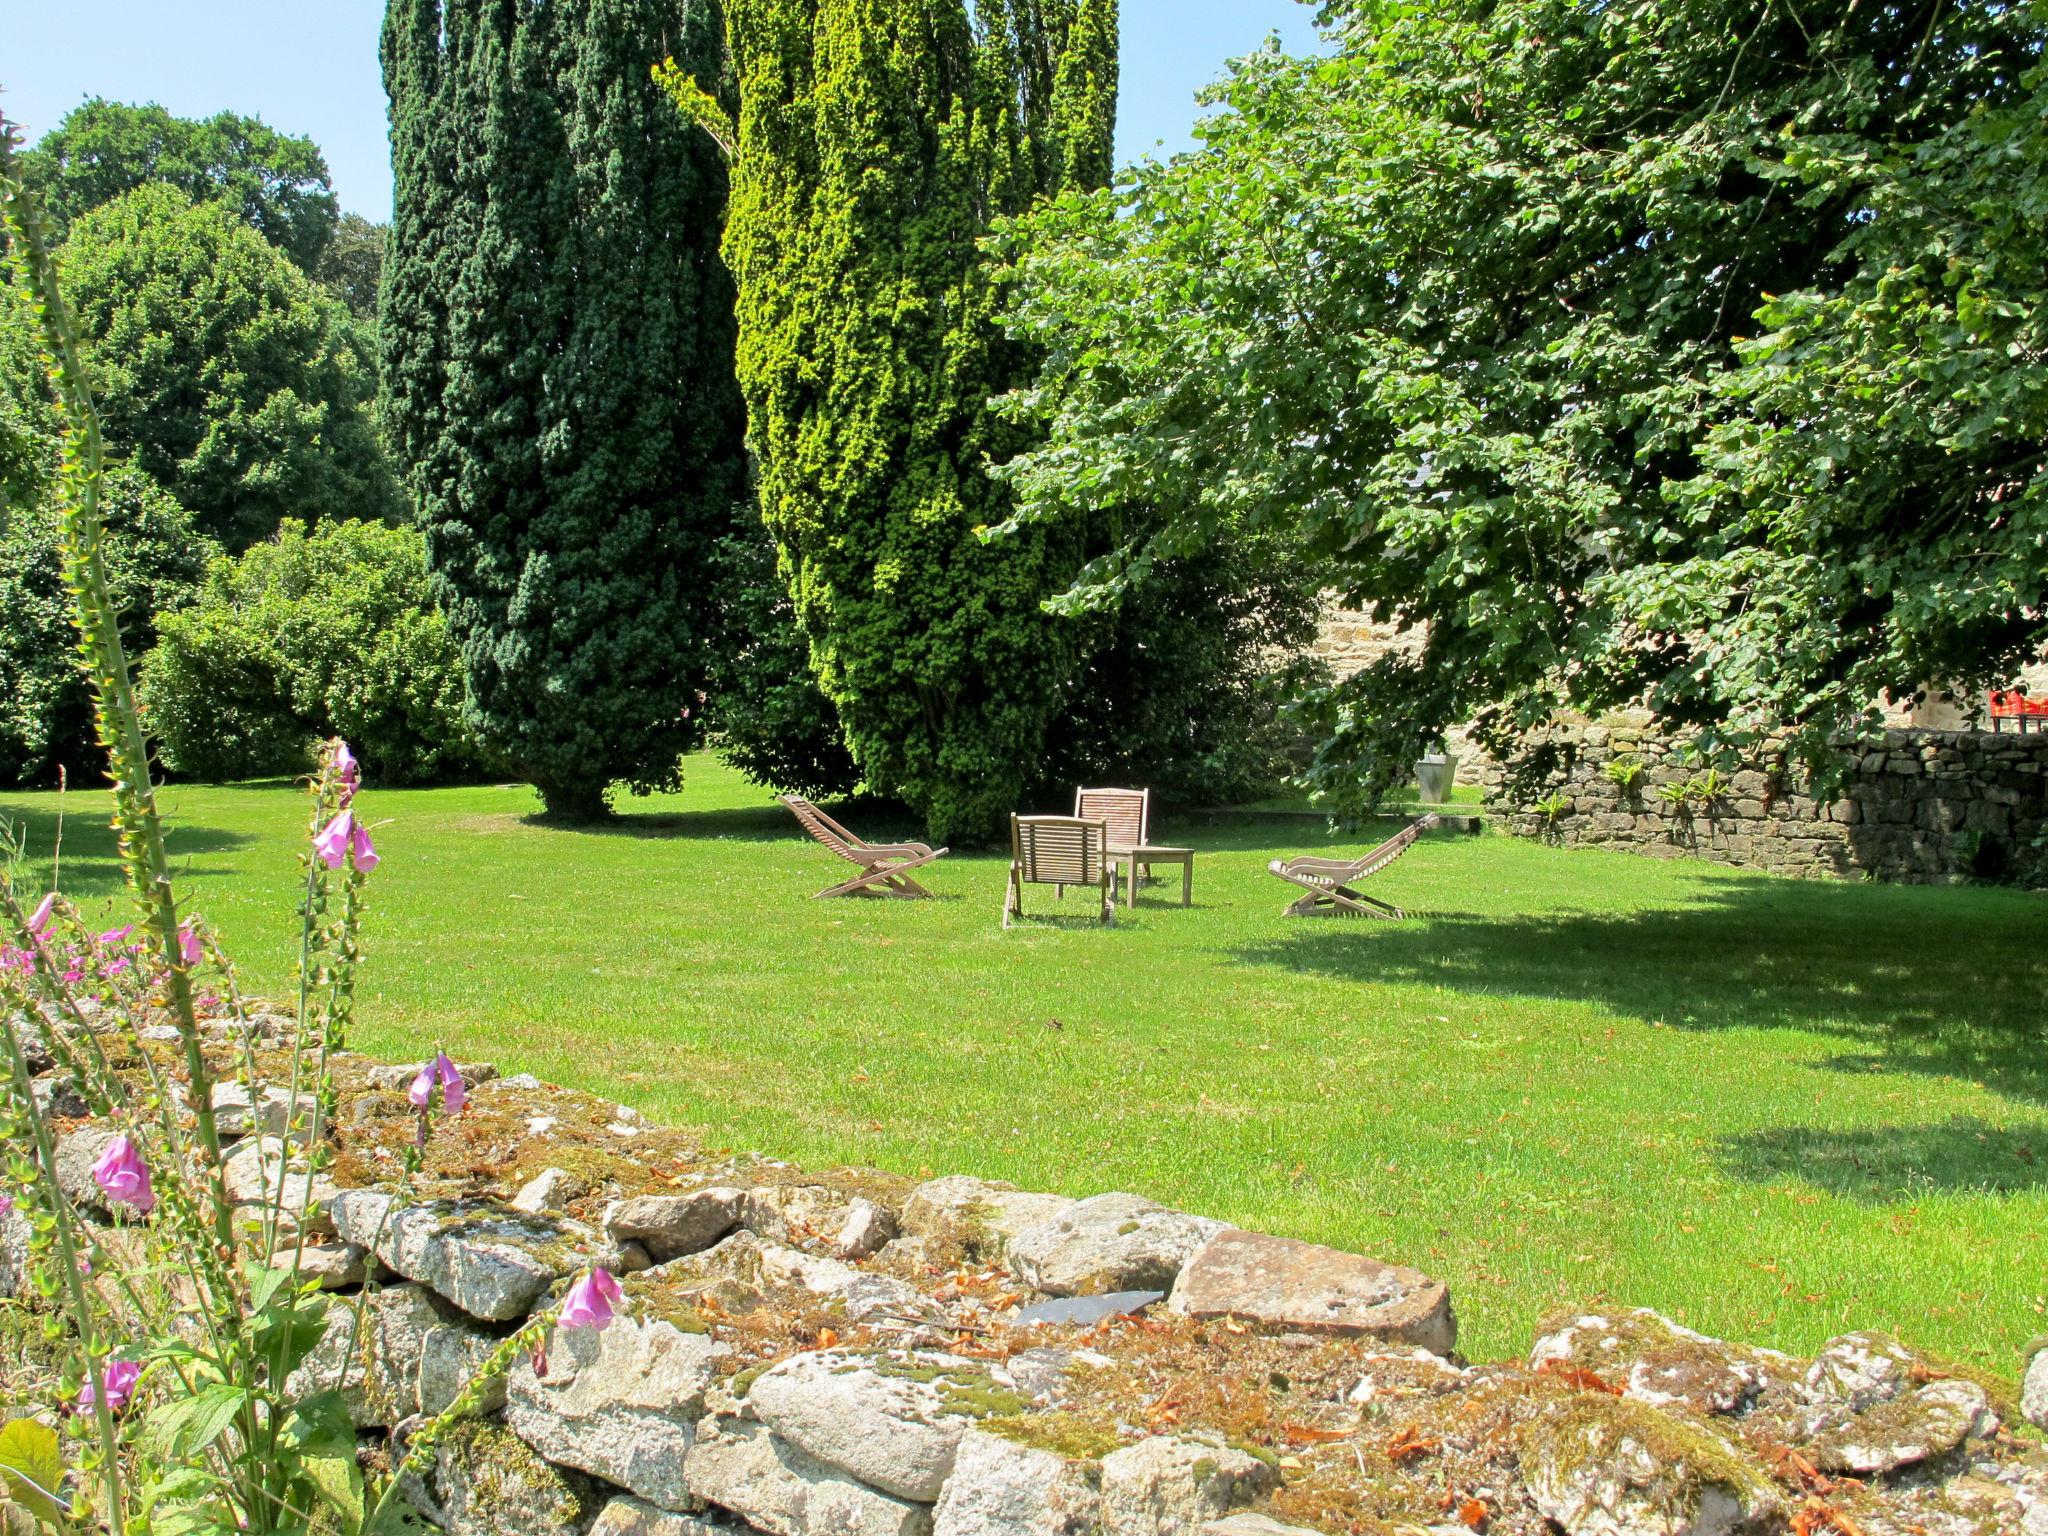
619 1404
1282 1283
894 1423
389 1079
261 1181
628 1516
744 1467
490 1260
268 1111
1655 1360
1862 1370
379 1382
2034 1390
1113 1242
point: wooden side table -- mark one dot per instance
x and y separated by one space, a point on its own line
1145 855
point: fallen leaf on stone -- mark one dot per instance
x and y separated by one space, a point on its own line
827 1337
1409 1446
1473 1514
1306 1434
1577 1376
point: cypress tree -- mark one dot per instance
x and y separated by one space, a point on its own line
558 352
878 141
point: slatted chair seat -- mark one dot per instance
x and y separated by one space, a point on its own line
1329 882
1059 851
884 867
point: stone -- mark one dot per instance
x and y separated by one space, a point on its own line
77 1151
628 1516
260 1180
1079 1311
1415 1373
618 1403
1042 1374
1282 1283
2034 1387
337 1266
490 1260
1251 1523
1922 1426
742 1466
550 1190
14 1254
450 1357
57 1098
237 1112
379 1381
1167 1486
489 1484
1657 1361
859 1297
1001 1488
892 1422
1112 1242
1602 1466
1861 1370
674 1226
983 1217
801 1215
399 1079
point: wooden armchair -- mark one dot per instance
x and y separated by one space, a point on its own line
1059 851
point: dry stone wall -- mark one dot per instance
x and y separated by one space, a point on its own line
848 1354
1922 806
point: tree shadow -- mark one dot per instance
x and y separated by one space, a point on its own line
876 821
1921 979
90 866
1892 1164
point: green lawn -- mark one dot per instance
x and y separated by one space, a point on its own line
1773 1109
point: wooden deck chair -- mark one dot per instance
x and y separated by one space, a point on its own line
1059 851
1329 881
884 867
1126 812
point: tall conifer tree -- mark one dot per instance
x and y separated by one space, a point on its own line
878 140
558 345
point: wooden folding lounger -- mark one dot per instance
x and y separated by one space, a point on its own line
1329 881
884 867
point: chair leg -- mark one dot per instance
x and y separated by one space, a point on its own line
1013 898
1108 895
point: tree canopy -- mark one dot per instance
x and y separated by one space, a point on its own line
235 381
876 141
1685 355
275 183
558 340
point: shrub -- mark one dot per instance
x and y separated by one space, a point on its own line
314 634
156 561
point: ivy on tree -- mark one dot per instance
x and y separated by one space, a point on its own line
876 143
557 343
1688 356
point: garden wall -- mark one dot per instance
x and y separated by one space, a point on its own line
1923 807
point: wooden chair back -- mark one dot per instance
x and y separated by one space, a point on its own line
1059 850
1126 812
824 828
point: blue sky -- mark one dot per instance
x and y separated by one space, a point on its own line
310 67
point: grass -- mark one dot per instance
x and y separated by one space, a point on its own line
1775 1110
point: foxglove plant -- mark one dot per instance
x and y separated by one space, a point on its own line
182 1320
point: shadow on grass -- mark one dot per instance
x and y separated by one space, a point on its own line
877 821
1927 981
91 865
1892 1164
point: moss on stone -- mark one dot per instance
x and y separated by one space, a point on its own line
1072 1435
506 1485
1690 1457
743 1383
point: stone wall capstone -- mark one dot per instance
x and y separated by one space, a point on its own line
1921 807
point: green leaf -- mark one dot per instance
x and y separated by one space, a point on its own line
186 1427
32 1469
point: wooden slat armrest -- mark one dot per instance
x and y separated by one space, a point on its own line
1308 866
898 851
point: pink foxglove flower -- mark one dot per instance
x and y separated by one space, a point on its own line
121 1377
348 773
440 1070
123 1177
6 1206
189 948
40 920
346 838
590 1302
114 936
